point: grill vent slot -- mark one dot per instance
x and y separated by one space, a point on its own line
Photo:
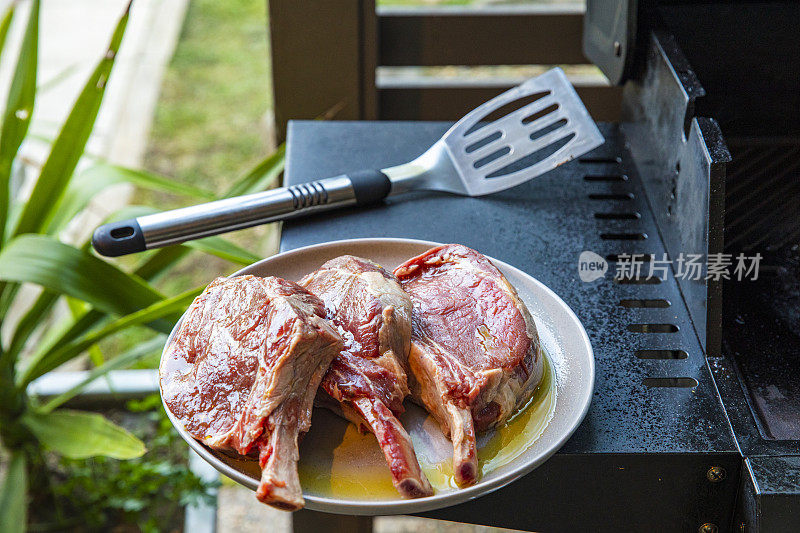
601 160
638 281
618 216
653 328
612 196
644 304
686 383
606 177
661 354
623 236
644 258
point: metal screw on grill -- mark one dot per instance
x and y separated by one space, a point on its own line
708 527
715 474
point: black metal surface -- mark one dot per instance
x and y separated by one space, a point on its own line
747 56
761 335
682 162
768 496
641 456
609 36
762 195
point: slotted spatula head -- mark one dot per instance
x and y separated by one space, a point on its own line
520 134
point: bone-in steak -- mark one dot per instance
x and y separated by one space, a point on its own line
368 379
475 351
242 371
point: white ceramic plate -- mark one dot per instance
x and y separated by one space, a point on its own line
344 472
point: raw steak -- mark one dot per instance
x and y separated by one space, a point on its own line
474 347
367 379
242 371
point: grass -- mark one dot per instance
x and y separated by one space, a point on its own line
209 124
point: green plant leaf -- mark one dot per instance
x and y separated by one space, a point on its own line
261 177
31 320
5 23
62 268
129 211
153 267
117 174
14 496
70 143
67 331
90 182
60 353
123 360
77 435
224 249
77 309
19 108
59 77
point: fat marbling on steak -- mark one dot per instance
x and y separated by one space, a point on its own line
474 347
242 371
367 381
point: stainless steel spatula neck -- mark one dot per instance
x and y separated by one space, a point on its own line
432 171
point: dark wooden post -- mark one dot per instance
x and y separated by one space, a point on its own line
323 59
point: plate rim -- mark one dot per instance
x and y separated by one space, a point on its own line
402 506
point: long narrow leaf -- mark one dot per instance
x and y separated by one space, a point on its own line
14 496
63 353
55 80
224 249
67 331
77 309
77 435
260 177
152 268
70 143
129 211
120 361
5 23
8 295
90 182
32 319
59 267
81 324
19 108
116 174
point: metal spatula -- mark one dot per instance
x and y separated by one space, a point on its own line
521 134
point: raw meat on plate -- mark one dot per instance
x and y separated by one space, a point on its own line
241 374
367 382
475 355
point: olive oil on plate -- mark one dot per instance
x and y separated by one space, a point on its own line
336 461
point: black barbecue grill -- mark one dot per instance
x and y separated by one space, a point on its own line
695 423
